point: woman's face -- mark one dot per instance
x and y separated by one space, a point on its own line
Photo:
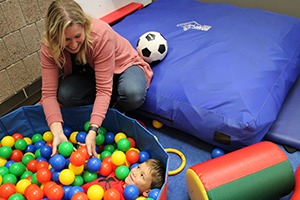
75 37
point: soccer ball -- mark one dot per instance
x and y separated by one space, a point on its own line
152 46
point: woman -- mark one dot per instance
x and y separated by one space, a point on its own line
99 67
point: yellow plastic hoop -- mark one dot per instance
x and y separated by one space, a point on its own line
183 161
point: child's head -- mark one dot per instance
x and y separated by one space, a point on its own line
147 176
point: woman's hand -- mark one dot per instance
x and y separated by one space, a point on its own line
58 136
90 142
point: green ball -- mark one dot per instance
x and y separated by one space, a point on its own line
17 169
109 147
21 144
86 126
36 137
122 172
78 181
65 148
123 144
100 139
104 154
26 174
102 130
9 178
34 180
89 176
37 153
16 196
5 152
27 158
3 171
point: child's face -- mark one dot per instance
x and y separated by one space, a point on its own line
141 177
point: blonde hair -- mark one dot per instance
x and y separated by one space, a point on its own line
158 171
60 15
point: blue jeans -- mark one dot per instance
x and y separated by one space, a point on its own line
129 90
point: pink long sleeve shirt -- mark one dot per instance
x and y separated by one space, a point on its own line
110 54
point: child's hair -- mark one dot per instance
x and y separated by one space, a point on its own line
157 170
60 15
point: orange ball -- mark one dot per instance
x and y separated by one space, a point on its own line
77 158
80 196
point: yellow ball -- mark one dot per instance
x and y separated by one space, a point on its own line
156 124
120 136
76 170
28 140
29 153
66 177
118 158
140 198
73 137
95 192
8 141
1 179
47 136
2 161
22 185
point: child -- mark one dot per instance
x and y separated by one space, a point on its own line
146 176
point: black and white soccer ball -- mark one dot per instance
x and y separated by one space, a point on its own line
152 46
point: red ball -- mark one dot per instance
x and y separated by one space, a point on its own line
43 175
132 156
111 194
49 144
55 192
80 196
106 168
35 193
47 186
31 165
17 136
7 189
16 155
132 142
77 158
84 150
29 188
42 164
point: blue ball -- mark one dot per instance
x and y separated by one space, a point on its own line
9 163
55 177
39 159
29 149
46 151
131 192
217 152
109 138
58 162
67 131
74 190
80 137
144 155
94 164
154 193
67 189
134 165
39 144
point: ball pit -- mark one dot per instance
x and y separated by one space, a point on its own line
36 175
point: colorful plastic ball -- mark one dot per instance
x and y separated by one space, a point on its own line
17 136
83 149
111 194
217 152
141 198
57 162
55 192
156 124
31 165
16 155
102 131
67 189
131 192
105 169
109 147
9 163
47 136
89 176
20 144
80 137
34 192
118 157
100 139
30 148
47 186
109 138
95 192
75 190
28 140
16 196
22 185
8 141
27 158
134 165
34 179
67 131
1 179
123 144
65 148
122 172
37 153
2 161
17 169
132 156
42 164
46 151
77 158
154 193
144 155
4 171
78 181
132 142
7 189
120 136
43 175
80 196
94 164
10 178
26 174
86 126
73 137
55 176
77 170
5 152
38 144
36 137
104 154
66 177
